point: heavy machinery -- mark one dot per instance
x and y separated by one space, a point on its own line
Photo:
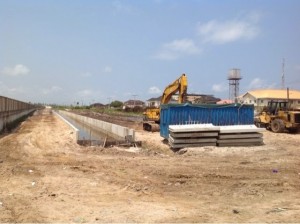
278 116
152 115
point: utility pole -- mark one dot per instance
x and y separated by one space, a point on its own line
109 101
282 76
134 96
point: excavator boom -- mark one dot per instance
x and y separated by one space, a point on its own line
179 85
152 115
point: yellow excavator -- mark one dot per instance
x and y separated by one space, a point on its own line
152 115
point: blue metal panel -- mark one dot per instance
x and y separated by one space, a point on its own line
219 115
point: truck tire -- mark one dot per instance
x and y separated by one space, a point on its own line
147 127
151 126
277 126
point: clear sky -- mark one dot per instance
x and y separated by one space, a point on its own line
66 51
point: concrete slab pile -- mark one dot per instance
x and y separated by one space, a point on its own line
193 135
240 135
197 135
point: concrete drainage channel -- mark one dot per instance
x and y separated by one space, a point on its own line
89 131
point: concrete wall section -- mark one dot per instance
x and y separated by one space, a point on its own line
8 118
117 131
12 110
76 131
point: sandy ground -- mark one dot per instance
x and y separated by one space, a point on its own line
46 177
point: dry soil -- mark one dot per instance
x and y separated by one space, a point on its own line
46 177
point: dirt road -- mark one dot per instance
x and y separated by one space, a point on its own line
46 177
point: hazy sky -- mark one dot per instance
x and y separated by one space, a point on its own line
66 51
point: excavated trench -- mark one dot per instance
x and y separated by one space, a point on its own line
88 135
91 131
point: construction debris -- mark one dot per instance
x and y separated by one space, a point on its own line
197 135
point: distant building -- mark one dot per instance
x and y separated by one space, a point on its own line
191 98
97 105
199 98
134 103
260 98
202 99
225 102
153 102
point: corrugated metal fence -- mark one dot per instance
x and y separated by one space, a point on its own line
11 110
219 115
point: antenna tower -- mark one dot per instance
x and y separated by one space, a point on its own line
234 77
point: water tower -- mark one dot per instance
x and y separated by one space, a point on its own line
234 77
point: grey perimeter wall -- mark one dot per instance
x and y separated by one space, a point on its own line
11 110
7 118
118 131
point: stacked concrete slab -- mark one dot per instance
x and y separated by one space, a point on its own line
197 135
193 135
240 135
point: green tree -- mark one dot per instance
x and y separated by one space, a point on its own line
116 104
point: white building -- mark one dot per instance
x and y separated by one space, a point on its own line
134 103
260 98
153 102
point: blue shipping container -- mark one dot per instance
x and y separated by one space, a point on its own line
219 115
